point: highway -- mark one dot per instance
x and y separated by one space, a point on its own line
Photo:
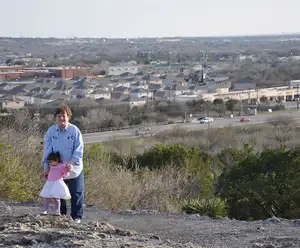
218 123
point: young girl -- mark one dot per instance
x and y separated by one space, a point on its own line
55 187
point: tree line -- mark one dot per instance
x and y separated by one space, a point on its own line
100 115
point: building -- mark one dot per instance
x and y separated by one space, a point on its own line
10 75
11 68
139 93
222 87
137 102
283 93
244 84
70 72
120 69
294 84
100 94
11 102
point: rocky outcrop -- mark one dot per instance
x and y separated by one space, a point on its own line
60 231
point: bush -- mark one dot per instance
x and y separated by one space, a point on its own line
262 185
160 156
200 173
117 188
16 179
214 207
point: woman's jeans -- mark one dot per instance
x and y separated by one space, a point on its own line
76 187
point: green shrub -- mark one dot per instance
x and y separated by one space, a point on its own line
160 156
262 185
16 180
197 166
214 207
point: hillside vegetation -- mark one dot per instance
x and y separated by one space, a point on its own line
248 180
90 115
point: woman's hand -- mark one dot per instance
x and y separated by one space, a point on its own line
69 167
45 173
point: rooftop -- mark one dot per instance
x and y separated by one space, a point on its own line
10 98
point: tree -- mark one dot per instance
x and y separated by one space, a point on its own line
8 61
263 99
219 106
218 101
232 105
102 72
197 105
279 99
262 185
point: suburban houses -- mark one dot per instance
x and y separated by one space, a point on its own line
126 83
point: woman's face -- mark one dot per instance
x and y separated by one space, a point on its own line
62 119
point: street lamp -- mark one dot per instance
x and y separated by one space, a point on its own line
297 96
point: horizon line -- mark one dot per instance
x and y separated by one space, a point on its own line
153 37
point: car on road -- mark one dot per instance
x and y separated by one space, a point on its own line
205 119
145 131
244 119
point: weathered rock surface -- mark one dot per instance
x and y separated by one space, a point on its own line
61 231
151 229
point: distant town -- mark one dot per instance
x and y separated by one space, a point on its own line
29 78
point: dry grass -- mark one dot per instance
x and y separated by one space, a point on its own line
106 185
20 158
122 189
113 188
117 188
273 134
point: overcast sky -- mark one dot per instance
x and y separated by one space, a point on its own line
134 18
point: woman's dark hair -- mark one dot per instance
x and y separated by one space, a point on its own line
53 156
63 108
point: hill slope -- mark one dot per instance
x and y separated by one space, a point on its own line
156 230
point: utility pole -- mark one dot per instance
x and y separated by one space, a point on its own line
208 126
257 100
249 98
297 96
147 93
203 65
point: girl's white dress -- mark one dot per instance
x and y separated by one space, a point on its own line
55 187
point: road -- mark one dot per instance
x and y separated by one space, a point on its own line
290 105
218 123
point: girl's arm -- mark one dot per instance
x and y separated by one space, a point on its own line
65 172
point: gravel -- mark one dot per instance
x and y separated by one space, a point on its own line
154 229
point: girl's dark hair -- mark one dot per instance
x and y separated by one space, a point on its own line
54 156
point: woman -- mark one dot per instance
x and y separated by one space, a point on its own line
65 138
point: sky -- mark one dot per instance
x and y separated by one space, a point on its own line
144 18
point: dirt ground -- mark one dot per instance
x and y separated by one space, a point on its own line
149 229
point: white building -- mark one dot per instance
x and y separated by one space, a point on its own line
99 94
139 93
118 70
294 83
138 85
186 97
35 100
